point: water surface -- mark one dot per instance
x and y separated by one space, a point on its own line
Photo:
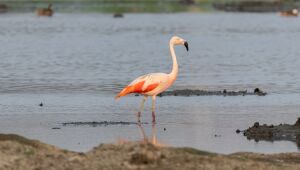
76 63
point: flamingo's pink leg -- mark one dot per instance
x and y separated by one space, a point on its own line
154 140
153 108
141 109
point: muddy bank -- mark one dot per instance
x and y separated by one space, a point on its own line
17 152
100 123
274 132
255 6
190 92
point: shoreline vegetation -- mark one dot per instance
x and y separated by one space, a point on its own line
17 152
151 6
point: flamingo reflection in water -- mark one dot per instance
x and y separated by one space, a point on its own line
153 139
145 139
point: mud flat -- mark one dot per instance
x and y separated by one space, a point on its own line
17 152
100 123
190 92
274 132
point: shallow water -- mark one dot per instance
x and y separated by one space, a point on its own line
76 63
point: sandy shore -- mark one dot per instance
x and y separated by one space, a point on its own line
17 152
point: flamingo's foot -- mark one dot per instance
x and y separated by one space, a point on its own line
153 117
138 115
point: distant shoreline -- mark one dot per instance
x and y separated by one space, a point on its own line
255 6
151 6
108 6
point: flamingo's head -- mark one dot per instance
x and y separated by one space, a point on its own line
179 41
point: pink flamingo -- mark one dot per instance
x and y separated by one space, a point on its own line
154 83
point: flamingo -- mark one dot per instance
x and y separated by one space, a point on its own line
154 83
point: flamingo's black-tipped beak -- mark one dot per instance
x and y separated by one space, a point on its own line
186 46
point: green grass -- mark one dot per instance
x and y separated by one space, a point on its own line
108 6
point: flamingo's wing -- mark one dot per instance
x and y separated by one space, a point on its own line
144 84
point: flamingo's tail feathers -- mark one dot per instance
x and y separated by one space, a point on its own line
124 92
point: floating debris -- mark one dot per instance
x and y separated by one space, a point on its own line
274 132
189 92
101 123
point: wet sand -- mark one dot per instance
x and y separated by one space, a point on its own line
17 152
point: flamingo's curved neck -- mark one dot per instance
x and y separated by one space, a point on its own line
174 71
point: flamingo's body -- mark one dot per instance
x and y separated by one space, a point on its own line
154 83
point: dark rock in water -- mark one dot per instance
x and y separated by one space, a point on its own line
118 15
189 92
258 92
256 124
41 104
298 122
238 131
101 123
274 132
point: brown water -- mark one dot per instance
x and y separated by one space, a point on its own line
76 63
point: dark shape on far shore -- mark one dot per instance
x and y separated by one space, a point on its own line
41 104
118 15
3 8
56 128
274 132
45 11
250 6
187 2
100 123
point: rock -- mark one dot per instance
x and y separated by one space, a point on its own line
256 124
274 132
118 15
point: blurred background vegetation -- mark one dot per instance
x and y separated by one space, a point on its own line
151 6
